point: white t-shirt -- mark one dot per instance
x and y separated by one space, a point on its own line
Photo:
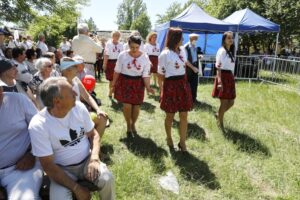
65 46
64 138
152 50
23 72
112 50
16 112
128 65
29 44
224 59
126 47
12 44
172 64
42 46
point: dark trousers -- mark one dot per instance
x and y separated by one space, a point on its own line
193 81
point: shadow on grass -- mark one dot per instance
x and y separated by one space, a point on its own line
116 105
148 107
194 130
147 148
203 106
154 97
195 170
245 143
105 151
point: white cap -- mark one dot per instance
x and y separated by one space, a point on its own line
193 35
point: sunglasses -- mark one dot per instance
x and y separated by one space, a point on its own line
50 66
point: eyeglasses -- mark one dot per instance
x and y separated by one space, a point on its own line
50 66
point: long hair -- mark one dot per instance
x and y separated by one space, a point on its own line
231 50
174 37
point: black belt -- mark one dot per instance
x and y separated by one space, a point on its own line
7 166
153 56
175 77
73 165
89 63
131 77
112 60
226 71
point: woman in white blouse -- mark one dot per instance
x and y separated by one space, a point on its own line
131 77
176 93
153 51
224 86
112 50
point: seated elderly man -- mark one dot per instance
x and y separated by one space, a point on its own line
65 141
20 174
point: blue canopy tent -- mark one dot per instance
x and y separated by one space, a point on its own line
248 21
194 19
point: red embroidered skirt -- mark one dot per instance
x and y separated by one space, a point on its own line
130 89
228 82
154 61
176 95
110 69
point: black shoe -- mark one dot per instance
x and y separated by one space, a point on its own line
135 134
129 135
180 149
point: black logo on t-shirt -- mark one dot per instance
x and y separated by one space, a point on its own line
74 136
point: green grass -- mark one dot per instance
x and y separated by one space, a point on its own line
287 79
258 157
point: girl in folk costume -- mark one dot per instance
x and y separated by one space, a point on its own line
112 50
176 93
224 86
132 75
134 33
153 51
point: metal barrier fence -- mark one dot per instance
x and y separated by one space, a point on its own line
279 71
246 66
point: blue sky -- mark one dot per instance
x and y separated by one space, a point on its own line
104 12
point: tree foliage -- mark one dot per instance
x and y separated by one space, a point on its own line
91 23
132 14
284 13
142 24
26 11
176 8
60 22
172 11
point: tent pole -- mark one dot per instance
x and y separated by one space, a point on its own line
274 63
276 48
205 43
236 43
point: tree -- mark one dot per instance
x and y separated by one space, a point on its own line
26 11
132 15
142 24
176 8
285 13
201 3
61 22
172 11
92 25
129 11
